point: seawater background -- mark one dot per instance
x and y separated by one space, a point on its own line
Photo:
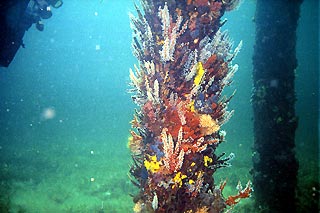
78 67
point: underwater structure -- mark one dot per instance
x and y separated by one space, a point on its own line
16 17
273 100
185 61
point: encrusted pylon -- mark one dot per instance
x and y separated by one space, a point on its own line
185 61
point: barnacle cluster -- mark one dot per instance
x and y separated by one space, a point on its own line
185 61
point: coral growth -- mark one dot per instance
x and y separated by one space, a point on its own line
184 64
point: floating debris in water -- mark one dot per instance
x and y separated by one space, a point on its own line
48 113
